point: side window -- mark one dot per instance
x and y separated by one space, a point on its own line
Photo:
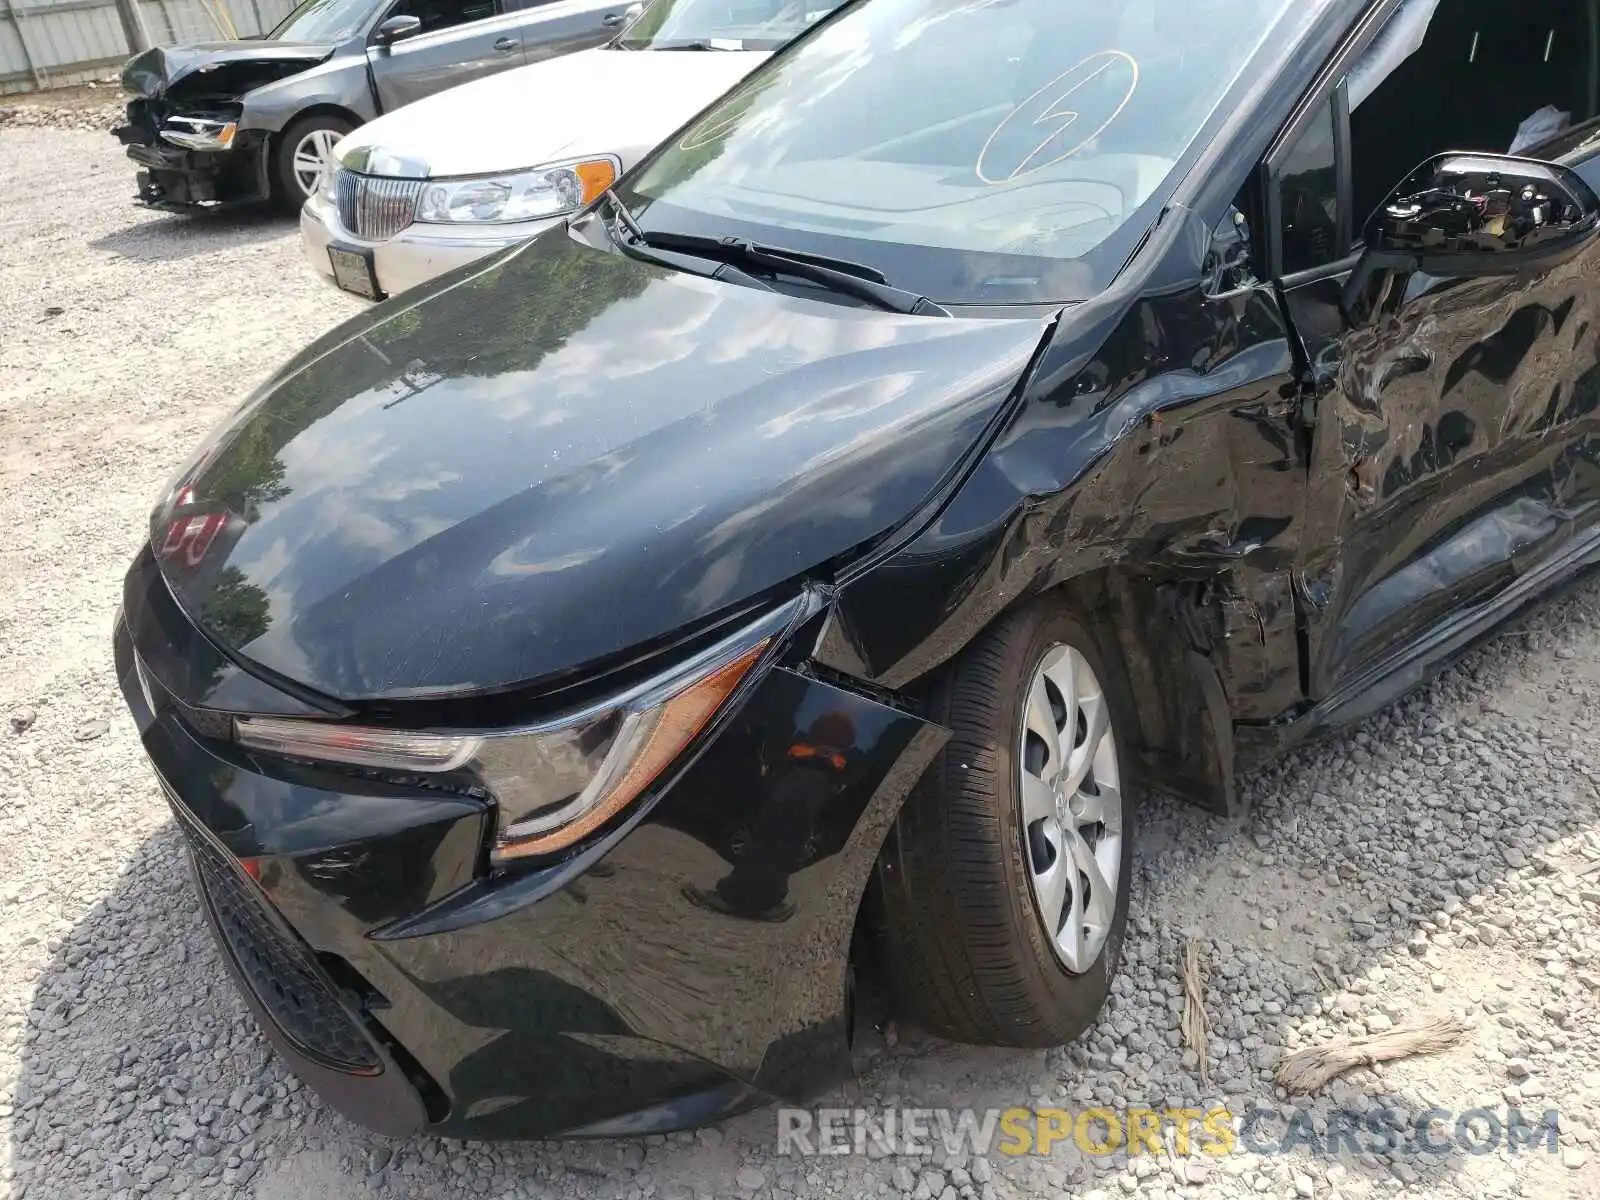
1308 197
444 14
1466 75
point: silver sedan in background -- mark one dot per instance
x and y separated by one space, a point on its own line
490 164
240 122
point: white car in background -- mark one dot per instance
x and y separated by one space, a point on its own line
472 170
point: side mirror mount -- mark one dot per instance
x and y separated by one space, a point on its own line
1228 269
1472 215
396 29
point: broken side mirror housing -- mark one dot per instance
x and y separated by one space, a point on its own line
396 29
1463 214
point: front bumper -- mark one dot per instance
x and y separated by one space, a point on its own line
593 997
416 254
174 179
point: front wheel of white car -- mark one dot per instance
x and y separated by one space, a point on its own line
299 155
1004 886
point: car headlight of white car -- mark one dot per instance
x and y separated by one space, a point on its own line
548 191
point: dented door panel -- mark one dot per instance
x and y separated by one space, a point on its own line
1453 451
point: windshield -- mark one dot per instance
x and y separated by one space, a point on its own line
723 24
324 21
973 151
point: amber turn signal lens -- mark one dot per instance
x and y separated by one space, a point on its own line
596 177
648 743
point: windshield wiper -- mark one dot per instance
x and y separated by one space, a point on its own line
835 274
623 215
637 245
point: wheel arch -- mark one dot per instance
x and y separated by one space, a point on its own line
320 109
1184 721
1158 630
273 142
1184 738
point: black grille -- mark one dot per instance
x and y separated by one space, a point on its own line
277 966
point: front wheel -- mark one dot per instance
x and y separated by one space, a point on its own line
1004 885
300 154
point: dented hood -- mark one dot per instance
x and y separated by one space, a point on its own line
153 73
563 457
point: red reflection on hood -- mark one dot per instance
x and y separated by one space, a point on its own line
188 538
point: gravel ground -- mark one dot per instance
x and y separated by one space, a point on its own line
1443 858
89 106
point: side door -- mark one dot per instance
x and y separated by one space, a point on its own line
459 40
551 28
1454 436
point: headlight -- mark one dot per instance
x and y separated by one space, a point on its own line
523 196
557 783
199 133
356 746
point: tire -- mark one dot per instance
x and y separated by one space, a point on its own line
287 192
965 941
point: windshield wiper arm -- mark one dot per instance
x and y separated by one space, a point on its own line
637 245
838 275
623 215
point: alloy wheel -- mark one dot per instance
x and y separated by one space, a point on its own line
312 152
1071 798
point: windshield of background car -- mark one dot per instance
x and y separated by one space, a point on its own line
973 151
324 21
723 24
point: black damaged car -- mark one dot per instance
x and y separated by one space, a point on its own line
570 675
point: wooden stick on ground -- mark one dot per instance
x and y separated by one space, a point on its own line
1195 1029
1307 1070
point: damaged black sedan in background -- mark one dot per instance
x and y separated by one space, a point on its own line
252 120
573 677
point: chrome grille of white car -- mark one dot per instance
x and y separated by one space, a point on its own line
374 207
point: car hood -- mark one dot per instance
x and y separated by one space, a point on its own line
153 73
561 457
600 101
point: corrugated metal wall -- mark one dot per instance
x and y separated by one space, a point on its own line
45 43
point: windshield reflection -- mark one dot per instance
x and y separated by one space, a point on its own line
723 24
323 21
972 151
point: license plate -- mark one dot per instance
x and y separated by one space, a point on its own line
352 270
